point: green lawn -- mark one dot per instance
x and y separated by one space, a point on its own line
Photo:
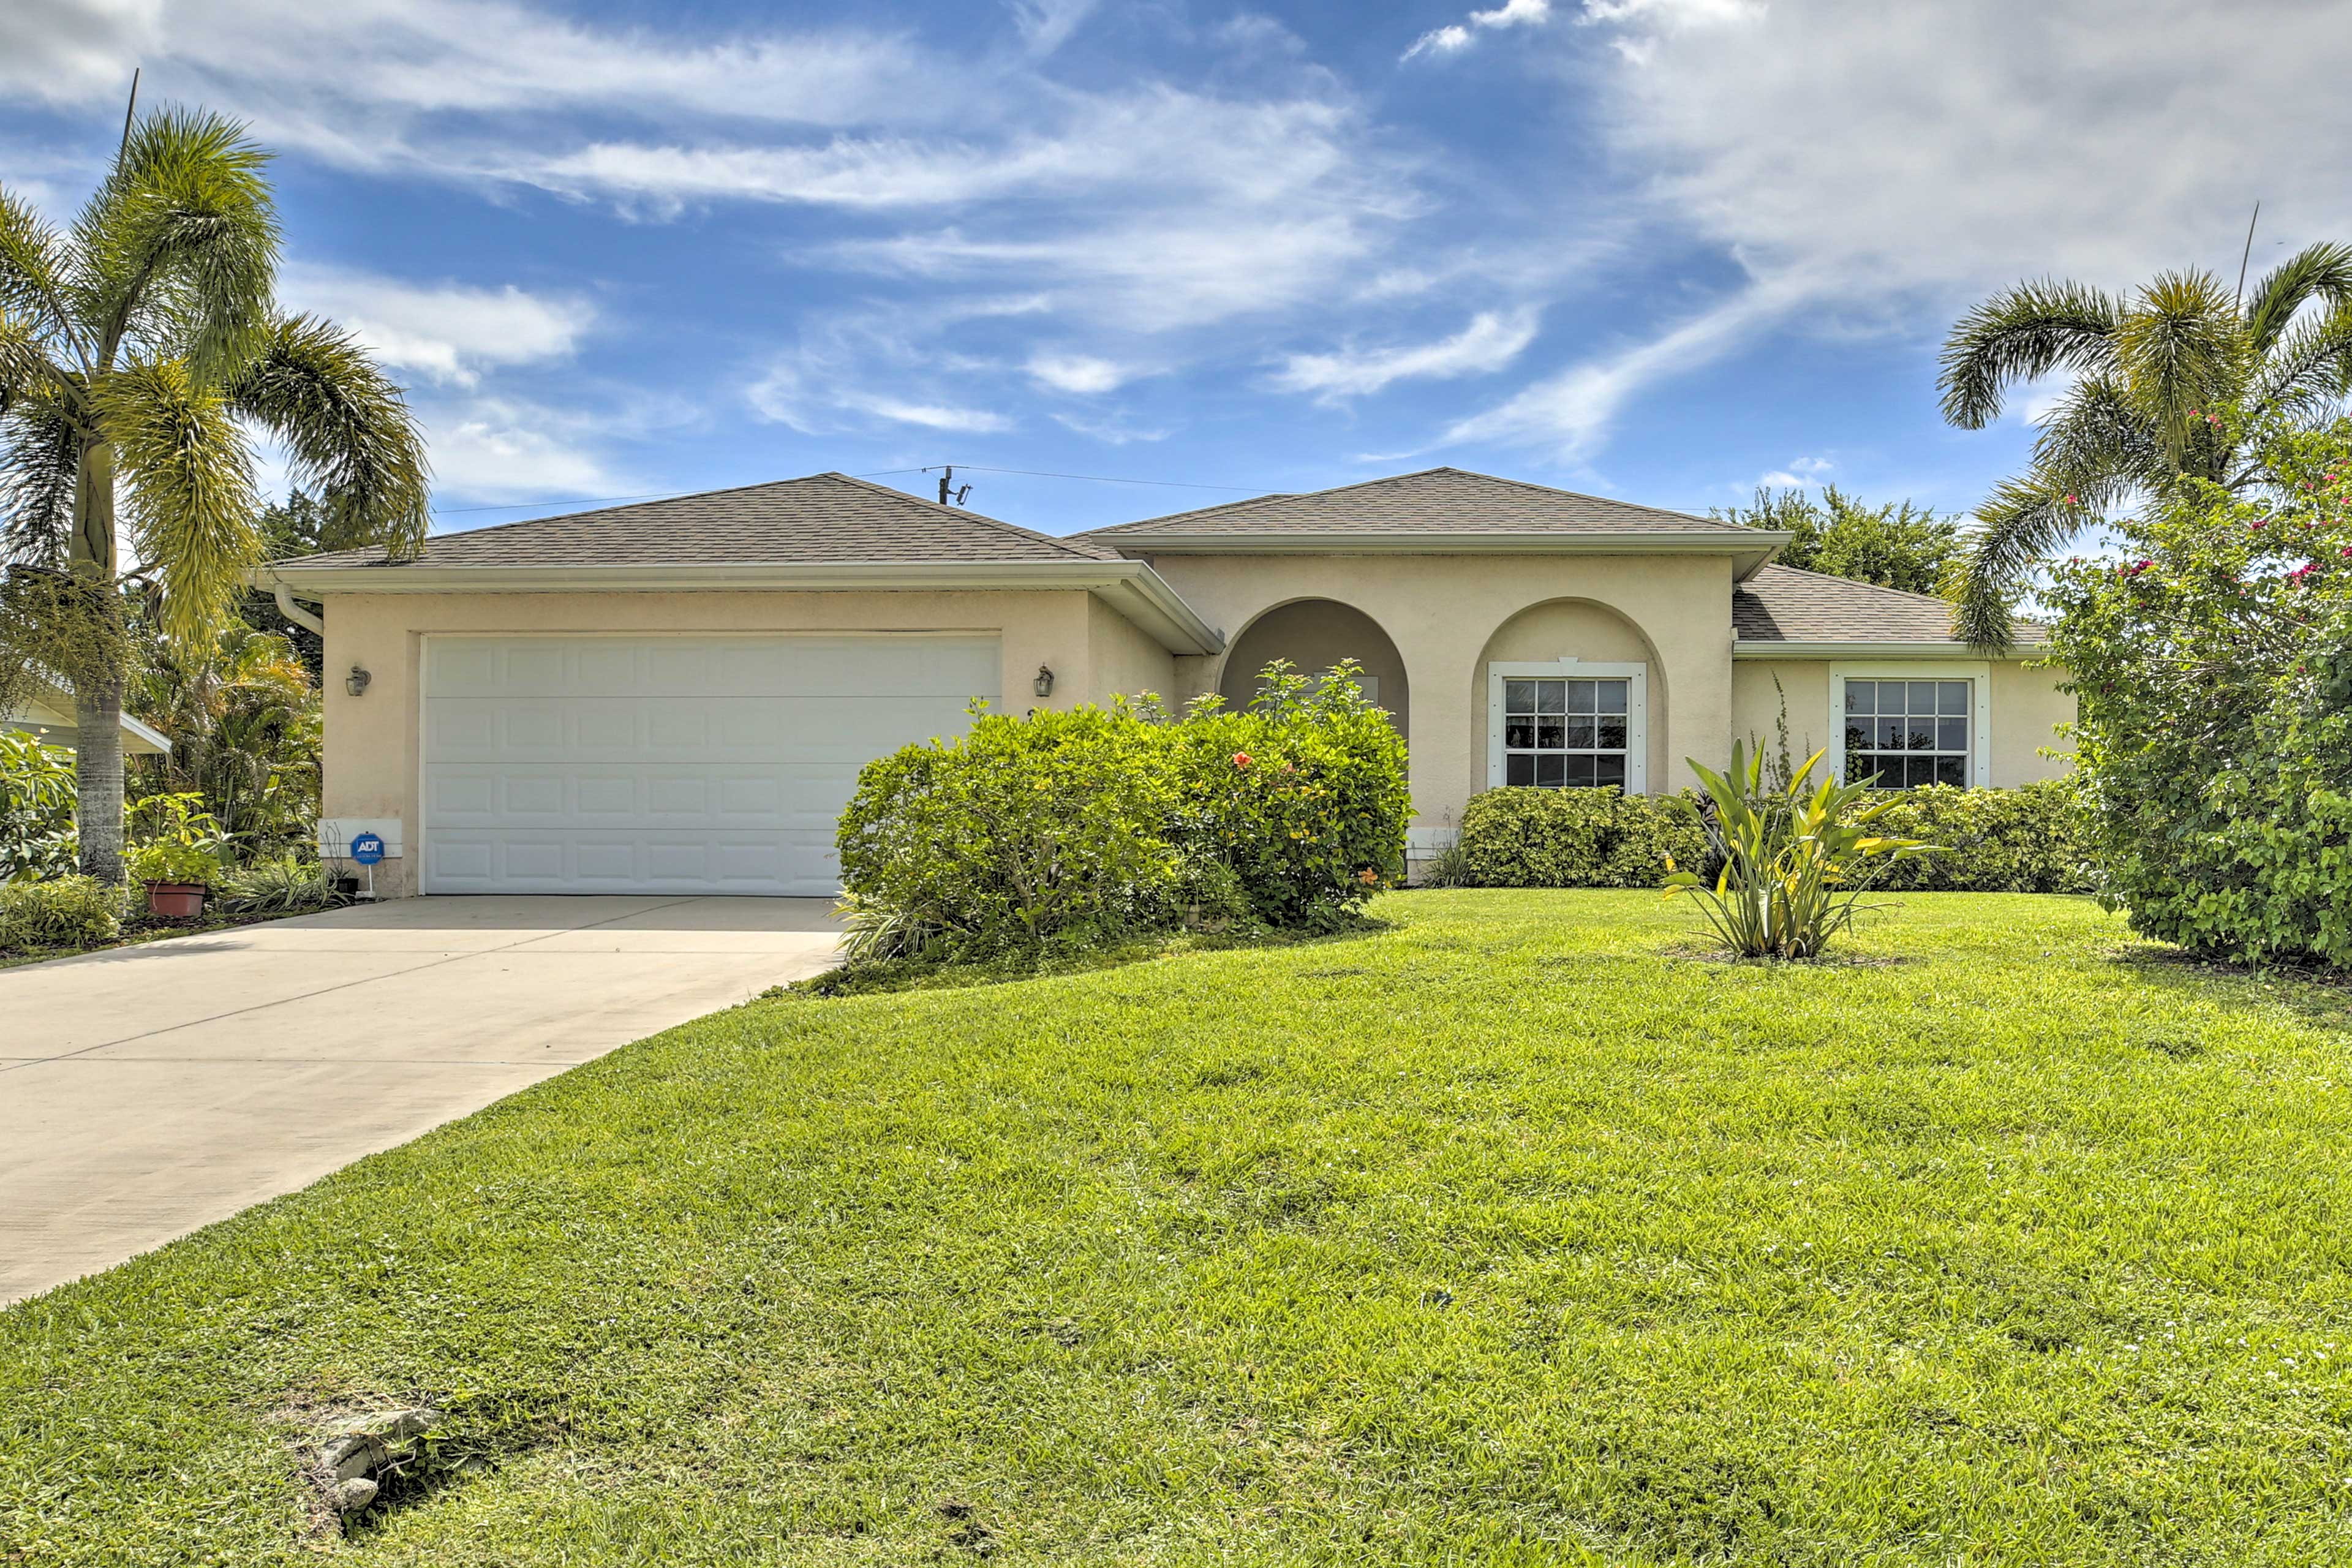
1519 1233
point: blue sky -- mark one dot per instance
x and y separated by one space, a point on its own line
1660 249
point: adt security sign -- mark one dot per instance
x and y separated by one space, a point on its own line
367 849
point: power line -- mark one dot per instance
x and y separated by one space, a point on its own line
1099 478
875 474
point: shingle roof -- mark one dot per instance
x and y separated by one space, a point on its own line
1434 501
822 518
1784 604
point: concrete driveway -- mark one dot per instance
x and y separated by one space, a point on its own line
149 1090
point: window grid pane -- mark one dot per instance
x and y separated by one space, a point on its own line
1908 733
1566 734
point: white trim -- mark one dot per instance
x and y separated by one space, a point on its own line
1766 649
1751 548
1979 673
1637 709
1130 587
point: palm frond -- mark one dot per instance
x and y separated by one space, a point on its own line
189 490
2322 271
178 248
347 428
2183 354
2018 335
38 460
33 273
2308 370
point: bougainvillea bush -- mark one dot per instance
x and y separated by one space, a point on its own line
2214 665
1098 824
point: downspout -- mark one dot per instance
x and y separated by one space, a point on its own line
296 614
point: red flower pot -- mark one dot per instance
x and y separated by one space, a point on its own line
175 900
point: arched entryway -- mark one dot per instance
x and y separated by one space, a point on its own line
1314 635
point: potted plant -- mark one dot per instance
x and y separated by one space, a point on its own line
178 854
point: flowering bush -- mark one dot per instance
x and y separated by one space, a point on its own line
2214 665
1084 826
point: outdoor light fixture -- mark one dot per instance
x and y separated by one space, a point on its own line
1044 684
357 681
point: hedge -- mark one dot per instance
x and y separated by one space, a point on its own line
2031 840
1097 824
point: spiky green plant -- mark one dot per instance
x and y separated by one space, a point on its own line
136 346
1796 860
2149 373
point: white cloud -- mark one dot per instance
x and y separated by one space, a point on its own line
1083 374
1799 473
1570 412
1491 340
487 449
1456 37
449 332
1046 24
851 376
1110 432
1871 169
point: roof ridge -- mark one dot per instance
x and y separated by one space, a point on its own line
1143 525
964 514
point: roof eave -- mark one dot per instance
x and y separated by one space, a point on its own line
1750 549
1773 648
1130 587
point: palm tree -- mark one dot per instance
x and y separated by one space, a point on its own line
2148 372
136 348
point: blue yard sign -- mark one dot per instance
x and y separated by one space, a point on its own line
368 849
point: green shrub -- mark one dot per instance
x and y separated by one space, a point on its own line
2213 670
174 840
2031 840
1522 838
37 808
285 885
2034 838
64 912
1098 824
1794 861
1026 831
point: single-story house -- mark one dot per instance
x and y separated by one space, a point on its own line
48 715
676 696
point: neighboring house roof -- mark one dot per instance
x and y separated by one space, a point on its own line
49 718
1783 604
1447 510
824 517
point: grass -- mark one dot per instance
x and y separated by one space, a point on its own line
1518 1233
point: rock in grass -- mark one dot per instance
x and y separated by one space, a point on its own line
354 1494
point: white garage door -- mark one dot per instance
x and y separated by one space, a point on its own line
684 764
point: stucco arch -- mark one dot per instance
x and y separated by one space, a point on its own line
1590 632
1316 634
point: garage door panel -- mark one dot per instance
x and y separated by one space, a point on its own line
669 765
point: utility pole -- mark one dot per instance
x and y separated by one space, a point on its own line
949 495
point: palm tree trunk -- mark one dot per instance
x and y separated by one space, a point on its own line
98 772
97 679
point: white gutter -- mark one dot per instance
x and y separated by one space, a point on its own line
1766 649
296 612
1130 587
1751 547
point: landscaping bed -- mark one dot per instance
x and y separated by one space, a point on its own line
1522 1230
139 927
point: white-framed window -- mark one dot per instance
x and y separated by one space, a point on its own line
1566 724
1923 723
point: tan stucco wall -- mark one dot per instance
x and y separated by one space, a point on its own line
1756 706
1121 660
1314 635
372 757
1442 612
2027 708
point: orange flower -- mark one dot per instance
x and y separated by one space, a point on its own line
1241 759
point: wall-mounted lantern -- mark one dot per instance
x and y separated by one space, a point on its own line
1044 684
357 681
